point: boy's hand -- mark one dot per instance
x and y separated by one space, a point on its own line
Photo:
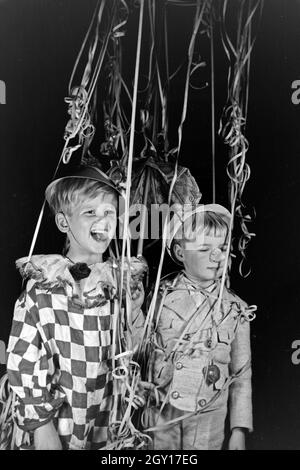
237 439
137 294
46 438
149 390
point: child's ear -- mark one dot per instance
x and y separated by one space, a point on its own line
178 252
61 222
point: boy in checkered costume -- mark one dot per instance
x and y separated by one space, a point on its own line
202 358
61 342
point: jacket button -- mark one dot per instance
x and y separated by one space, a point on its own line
175 394
208 343
202 402
179 365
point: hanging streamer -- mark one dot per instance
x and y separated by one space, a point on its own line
125 433
233 122
198 17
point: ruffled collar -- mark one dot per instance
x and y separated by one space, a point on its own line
51 271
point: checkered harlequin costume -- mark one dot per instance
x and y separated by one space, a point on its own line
192 336
60 350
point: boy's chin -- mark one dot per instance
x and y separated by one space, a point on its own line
208 278
212 277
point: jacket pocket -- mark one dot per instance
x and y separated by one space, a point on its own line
223 336
222 351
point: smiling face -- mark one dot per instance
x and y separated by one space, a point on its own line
90 227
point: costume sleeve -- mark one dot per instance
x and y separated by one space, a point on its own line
240 393
30 365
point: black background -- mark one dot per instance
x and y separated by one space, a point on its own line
39 41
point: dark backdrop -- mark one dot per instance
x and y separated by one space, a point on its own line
39 41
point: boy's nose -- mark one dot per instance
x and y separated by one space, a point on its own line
217 255
100 223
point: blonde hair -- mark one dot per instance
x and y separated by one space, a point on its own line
207 223
68 192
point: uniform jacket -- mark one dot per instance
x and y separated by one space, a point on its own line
191 337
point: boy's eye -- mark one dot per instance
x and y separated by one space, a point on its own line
90 212
109 212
